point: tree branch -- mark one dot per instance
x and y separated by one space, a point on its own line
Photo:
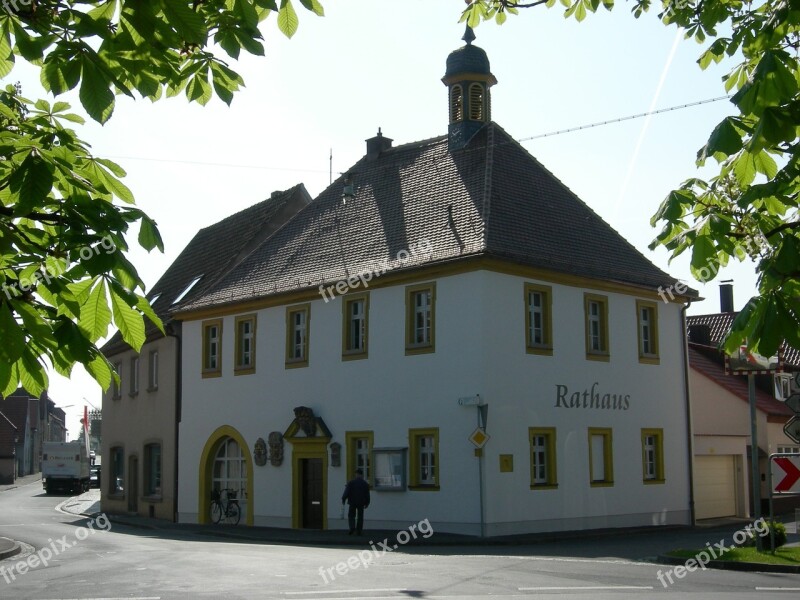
781 227
512 4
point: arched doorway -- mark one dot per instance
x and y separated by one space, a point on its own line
226 463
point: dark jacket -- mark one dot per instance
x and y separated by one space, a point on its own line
356 492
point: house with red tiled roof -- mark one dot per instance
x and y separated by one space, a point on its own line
140 415
452 320
721 421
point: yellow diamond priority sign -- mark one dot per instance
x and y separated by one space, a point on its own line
479 437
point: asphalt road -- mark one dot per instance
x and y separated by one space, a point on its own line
110 561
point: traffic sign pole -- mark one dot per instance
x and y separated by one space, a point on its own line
751 392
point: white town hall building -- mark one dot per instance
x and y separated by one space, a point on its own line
438 286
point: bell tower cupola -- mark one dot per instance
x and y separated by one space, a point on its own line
468 80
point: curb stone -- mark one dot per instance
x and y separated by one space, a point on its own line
729 565
13 551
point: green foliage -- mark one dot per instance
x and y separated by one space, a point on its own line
144 47
780 535
65 214
62 244
749 209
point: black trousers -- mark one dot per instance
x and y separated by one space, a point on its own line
355 517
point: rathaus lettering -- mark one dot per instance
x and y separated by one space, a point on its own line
591 398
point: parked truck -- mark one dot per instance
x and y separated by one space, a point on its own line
65 467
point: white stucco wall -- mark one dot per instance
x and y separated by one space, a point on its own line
479 350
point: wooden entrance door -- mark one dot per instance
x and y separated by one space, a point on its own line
311 492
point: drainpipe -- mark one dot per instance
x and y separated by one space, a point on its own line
174 330
689 434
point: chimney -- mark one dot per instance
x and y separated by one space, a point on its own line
726 296
377 144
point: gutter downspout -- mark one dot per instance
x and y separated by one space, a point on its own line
174 330
689 433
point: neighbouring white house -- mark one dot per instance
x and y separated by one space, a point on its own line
140 415
721 421
451 318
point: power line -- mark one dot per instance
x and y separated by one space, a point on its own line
620 119
520 140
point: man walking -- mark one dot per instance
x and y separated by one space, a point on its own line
356 493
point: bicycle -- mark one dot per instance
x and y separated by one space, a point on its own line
224 504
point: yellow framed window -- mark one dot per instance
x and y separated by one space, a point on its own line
420 318
245 345
424 458
653 455
596 322
647 327
212 348
601 461
543 457
538 319
358 445
297 334
355 321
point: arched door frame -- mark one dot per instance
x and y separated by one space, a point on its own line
207 469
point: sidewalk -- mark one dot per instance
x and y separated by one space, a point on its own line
10 547
628 543
27 480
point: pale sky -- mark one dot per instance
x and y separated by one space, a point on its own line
379 63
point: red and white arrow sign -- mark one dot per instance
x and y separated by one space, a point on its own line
788 472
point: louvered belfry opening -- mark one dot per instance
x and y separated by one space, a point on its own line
468 79
456 104
477 110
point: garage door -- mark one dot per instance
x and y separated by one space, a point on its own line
714 486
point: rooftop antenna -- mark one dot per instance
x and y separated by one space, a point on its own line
330 167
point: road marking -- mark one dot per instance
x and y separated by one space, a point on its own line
605 561
563 588
778 589
120 598
365 591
